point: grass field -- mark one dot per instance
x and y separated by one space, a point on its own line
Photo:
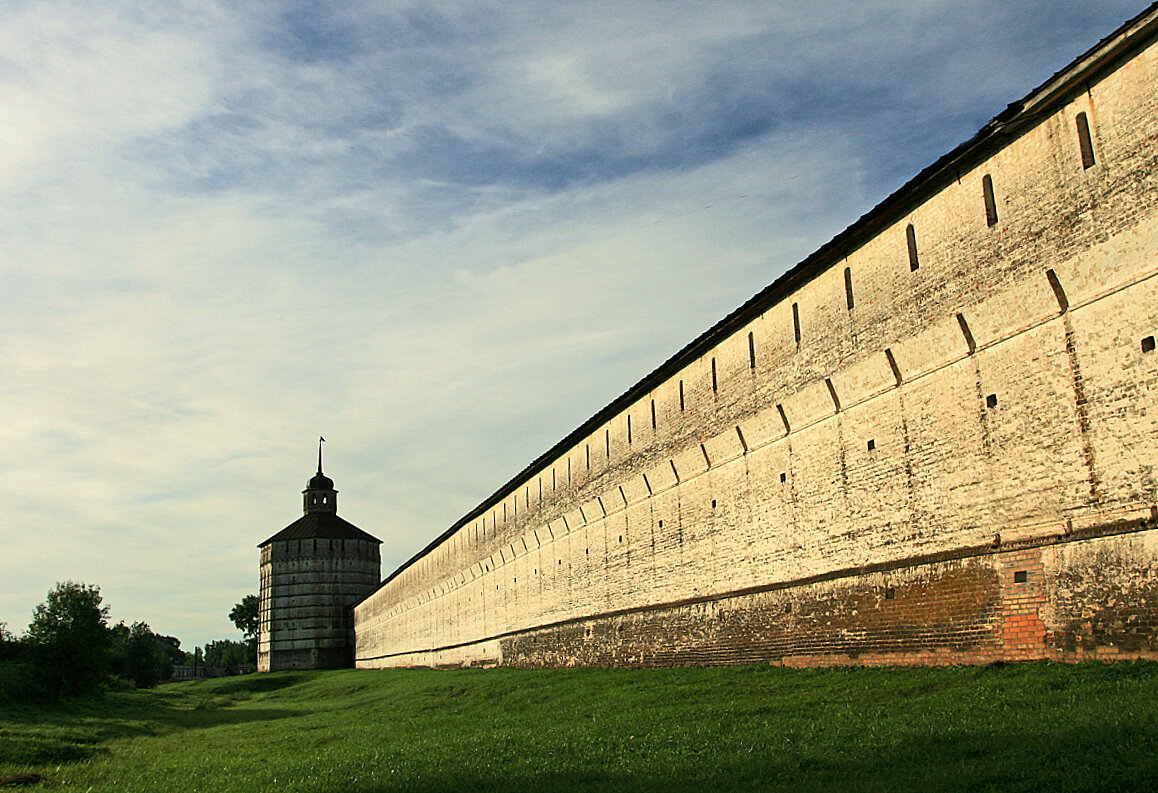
1020 727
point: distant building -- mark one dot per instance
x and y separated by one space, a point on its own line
312 573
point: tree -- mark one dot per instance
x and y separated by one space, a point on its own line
227 654
69 637
246 617
140 655
9 647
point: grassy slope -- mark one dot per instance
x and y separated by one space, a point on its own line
1024 727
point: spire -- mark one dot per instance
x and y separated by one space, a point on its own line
320 495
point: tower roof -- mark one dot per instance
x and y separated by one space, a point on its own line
321 526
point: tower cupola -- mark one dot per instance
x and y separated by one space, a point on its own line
320 495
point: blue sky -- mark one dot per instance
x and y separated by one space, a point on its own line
440 234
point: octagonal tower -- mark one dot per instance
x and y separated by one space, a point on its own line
312 573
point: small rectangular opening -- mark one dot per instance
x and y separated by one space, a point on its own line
629 428
872 444
890 593
681 396
990 202
991 401
607 442
1020 576
911 239
783 477
751 351
715 384
1148 344
653 414
796 322
1084 141
848 287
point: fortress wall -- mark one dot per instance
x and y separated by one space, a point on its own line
995 399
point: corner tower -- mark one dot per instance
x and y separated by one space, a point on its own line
312 573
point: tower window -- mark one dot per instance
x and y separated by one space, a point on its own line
751 351
796 322
848 287
991 401
1148 344
715 384
681 395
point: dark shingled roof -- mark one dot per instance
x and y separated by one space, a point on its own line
320 526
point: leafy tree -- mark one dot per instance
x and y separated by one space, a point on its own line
245 617
172 652
69 639
227 654
142 656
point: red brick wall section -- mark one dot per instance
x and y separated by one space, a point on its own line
1023 634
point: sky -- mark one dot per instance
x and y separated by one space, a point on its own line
442 235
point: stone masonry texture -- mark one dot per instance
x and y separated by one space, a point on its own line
933 441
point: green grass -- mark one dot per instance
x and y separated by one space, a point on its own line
1020 727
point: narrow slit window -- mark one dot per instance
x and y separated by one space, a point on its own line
796 322
872 444
587 452
629 429
848 287
1084 141
911 241
990 202
653 414
681 396
783 477
607 442
751 351
715 384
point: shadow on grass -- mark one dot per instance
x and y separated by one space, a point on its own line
1123 760
79 729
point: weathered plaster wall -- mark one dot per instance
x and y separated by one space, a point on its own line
856 470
